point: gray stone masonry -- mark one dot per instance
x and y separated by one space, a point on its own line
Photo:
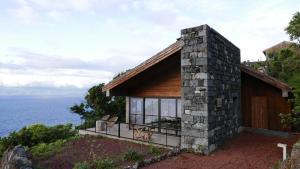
211 85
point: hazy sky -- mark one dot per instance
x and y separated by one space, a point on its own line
52 46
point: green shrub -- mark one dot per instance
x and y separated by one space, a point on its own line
297 145
131 155
2 148
82 165
105 163
35 134
154 150
44 150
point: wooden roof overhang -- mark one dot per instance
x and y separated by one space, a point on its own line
170 51
267 79
151 62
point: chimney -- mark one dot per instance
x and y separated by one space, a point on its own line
211 86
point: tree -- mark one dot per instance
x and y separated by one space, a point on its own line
97 104
293 29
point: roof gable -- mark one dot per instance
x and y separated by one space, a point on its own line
175 47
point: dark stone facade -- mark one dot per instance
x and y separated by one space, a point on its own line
211 85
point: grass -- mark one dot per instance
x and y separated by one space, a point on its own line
43 150
105 163
153 150
132 155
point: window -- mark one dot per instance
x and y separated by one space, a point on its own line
151 110
136 110
155 111
168 108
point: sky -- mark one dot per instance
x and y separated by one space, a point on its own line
63 47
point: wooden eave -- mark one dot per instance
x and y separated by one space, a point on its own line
265 78
175 47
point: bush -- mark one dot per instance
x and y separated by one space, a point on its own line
154 150
35 134
297 145
290 119
105 163
131 155
83 165
44 150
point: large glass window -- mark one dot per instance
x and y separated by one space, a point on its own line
168 108
136 111
151 110
161 112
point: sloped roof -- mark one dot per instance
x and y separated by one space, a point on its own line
175 47
278 47
265 78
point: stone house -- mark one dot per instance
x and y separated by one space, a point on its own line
199 82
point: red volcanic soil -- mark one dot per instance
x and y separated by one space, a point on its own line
245 151
89 148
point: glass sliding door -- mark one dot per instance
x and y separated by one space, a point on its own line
162 113
136 111
151 110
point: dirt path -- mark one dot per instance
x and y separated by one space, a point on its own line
245 151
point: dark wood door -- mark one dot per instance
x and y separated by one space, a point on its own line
259 112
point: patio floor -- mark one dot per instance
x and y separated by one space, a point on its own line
127 134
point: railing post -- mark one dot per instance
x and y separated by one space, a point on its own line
106 127
180 140
166 135
119 131
133 131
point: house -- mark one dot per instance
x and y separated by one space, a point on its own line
200 81
282 45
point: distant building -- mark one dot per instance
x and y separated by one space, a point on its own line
282 45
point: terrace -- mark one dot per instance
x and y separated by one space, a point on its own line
163 136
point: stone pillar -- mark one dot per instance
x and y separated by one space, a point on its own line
211 84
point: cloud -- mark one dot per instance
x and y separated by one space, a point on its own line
67 91
23 68
83 42
25 13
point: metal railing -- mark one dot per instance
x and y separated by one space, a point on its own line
153 134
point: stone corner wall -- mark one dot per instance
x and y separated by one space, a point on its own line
210 76
224 89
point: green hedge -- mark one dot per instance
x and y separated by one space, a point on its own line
35 134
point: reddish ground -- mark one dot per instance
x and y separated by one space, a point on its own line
245 151
87 148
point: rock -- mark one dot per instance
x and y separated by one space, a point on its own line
16 158
295 157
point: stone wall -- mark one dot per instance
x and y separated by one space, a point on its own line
211 83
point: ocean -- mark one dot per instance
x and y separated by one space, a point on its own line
19 111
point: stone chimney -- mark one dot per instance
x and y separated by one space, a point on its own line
211 87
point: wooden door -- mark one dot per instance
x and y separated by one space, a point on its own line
259 112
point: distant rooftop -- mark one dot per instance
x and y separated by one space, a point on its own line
278 47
